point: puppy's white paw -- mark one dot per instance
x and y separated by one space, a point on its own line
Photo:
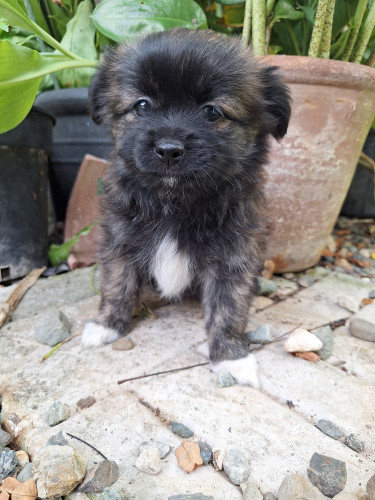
95 335
244 370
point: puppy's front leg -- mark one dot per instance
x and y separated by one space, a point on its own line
226 302
120 293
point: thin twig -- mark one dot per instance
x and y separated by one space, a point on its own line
277 339
88 444
57 346
162 372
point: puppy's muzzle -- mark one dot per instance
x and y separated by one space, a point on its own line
169 151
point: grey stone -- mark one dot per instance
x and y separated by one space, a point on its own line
123 344
99 477
354 443
266 287
260 335
205 452
225 379
327 474
191 496
164 449
319 272
26 473
325 334
60 470
362 324
8 462
236 466
181 430
53 328
306 280
370 488
296 487
285 288
269 496
57 413
250 491
330 429
371 294
5 438
109 494
57 440
149 460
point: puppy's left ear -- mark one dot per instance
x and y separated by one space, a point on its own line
278 101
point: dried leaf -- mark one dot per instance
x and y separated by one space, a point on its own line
188 456
19 491
343 232
268 270
366 302
308 356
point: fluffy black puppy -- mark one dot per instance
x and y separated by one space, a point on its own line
190 113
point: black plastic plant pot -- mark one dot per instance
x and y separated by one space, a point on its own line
74 135
360 200
24 195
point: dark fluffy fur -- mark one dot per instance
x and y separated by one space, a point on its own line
211 199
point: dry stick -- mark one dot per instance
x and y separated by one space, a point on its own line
14 298
88 444
162 372
57 346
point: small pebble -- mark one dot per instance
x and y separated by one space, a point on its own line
26 473
354 443
123 344
164 449
181 430
325 334
99 477
5 438
330 429
250 491
86 402
57 413
191 496
362 324
300 340
53 328
288 276
327 474
236 466
266 287
348 303
370 488
109 494
225 379
8 463
371 294
57 440
296 487
269 496
205 452
306 281
260 335
22 457
149 460
218 458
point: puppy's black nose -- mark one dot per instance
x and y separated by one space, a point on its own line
169 151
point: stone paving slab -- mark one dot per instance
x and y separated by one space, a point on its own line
277 440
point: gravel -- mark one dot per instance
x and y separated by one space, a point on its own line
225 379
295 487
164 449
99 477
8 463
181 430
250 491
149 460
205 452
370 488
57 440
330 429
26 473
53 328
325 334
362 324
260 335
57 413
269 496
354 443
191 496
5 438
236 466
327 474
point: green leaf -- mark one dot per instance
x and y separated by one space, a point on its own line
59 253
229 2
3 25
285 10
80 39
22 70
122 20
39 16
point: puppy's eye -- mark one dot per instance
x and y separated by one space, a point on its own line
212 113
141 107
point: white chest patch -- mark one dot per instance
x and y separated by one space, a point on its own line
170 268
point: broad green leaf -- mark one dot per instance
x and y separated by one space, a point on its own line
285 10
123 20
39 16
22 70
3 25
58 253
80 39
234 15
16 16
230 2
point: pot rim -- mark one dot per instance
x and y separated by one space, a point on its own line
313 70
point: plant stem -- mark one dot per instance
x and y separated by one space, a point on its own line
246 30
259 27
293 38
269 6
358 16
325 41
371 61
318 28
364 36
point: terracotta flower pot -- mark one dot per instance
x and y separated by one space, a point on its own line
310 170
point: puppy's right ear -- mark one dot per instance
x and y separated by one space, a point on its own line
98 95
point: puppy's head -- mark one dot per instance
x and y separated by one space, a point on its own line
189 109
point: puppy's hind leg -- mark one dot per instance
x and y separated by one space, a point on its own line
226 303
120 293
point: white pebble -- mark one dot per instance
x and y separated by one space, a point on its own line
149 460
301 340
348 303
218 458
